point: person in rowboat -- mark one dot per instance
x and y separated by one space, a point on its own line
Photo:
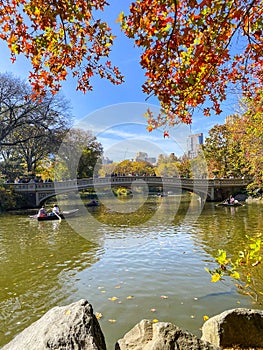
42 212
55 209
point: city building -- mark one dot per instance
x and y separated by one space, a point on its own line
143 157
194 143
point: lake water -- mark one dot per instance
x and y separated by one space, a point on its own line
145 262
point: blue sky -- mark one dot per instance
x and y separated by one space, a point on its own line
115 113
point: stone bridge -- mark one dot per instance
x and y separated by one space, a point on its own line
208 189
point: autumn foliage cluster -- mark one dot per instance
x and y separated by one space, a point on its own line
234 149
58 37
192 52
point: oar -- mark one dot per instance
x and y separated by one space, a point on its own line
59 218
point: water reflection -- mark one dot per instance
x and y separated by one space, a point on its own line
38 262
152 259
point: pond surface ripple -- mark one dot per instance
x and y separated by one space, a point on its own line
128 268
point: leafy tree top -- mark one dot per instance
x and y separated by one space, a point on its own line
192 50
57 37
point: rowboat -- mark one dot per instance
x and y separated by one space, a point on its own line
234 204
92 203
51 216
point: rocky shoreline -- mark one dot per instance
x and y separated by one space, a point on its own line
75 327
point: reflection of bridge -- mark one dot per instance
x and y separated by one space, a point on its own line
208 189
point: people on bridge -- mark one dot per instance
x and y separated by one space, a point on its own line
42 212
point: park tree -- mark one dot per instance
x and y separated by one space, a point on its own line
11 166
128 167
192 52
78 156
19 114
40 145
222 152
107 169
247 131
168 165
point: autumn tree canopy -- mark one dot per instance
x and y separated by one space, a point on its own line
193 51
57 37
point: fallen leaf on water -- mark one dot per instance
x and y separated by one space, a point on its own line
155 320
164 297
112 321
113 298
152 310
205 317
117 287
130 297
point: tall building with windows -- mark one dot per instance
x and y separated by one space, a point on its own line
194 143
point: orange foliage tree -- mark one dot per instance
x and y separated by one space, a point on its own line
193 51
58 37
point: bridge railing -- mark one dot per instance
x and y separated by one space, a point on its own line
118 180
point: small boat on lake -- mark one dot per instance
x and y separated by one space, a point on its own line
52 216
226 204
92 203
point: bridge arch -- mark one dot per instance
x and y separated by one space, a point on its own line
208 189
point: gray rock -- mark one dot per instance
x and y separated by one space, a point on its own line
235 327
160 336
62 328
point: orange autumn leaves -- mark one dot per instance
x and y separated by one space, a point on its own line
192 52
58 37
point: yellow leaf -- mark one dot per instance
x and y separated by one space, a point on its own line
37 11
112 321
155 320
113 298
68 312
235 275
130 297
98 315
215 277
205 317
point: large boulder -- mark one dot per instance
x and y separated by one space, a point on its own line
235 327
147 335
69 327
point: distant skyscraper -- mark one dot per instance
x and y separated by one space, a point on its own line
143 156
194 143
